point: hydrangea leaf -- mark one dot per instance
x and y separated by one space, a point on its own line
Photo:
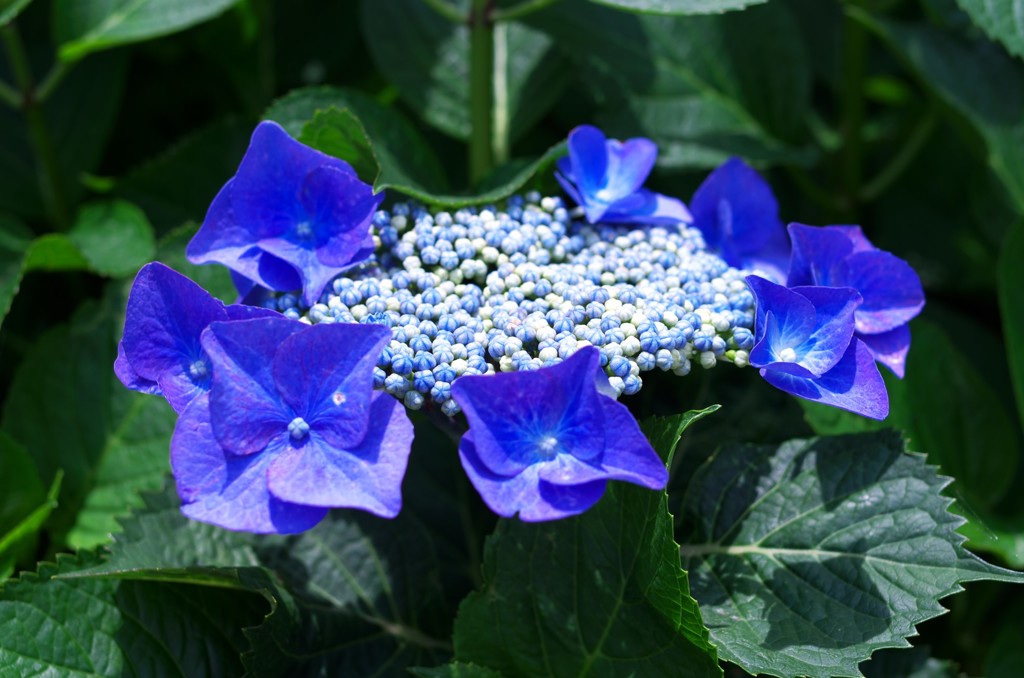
119 442
423 55
84 26
1003 20
14 242
89 627
177 186
1011 300
532 616
80 115
680 6
809 556
25 504
114 237
979 83
341 134
376 582
695 85
216 280
397 145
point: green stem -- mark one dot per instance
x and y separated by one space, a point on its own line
448 11
851 102
481 90
899 162
521 10
46 158
51 80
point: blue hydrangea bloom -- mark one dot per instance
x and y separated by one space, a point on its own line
606 176
160 352
738 215
805 345
841 256
291 218
291 427
544 443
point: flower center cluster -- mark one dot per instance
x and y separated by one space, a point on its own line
198 370
298 428
484 290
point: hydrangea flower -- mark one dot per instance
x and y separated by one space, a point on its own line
606 176
841 256
805 345
737 213
291 218
160 352
291 427
544 443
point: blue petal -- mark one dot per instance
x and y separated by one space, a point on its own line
166 314
533 499
834 309
521 418
325 375
628 455
891 289
738 214
227 490
367 476
629 164
854 384
247 408
588 153
647 207
795 313
816 251
889 348
129 377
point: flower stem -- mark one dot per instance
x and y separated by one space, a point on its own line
48 170
481 90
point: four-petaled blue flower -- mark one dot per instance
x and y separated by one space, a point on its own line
841 256
543 444
291 218
160 352
805 345
605 177
291 427
738 215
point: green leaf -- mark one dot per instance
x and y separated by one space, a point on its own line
179 185
601 592
79 117
9 9
981 84
680 6
994 534
456 670
974 440
698 86
809 556
404 157
114 237
1011 300
374 582
14 241
91 627
427 58
1003 20
341 134
70 412
84 26
55 252
22 535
